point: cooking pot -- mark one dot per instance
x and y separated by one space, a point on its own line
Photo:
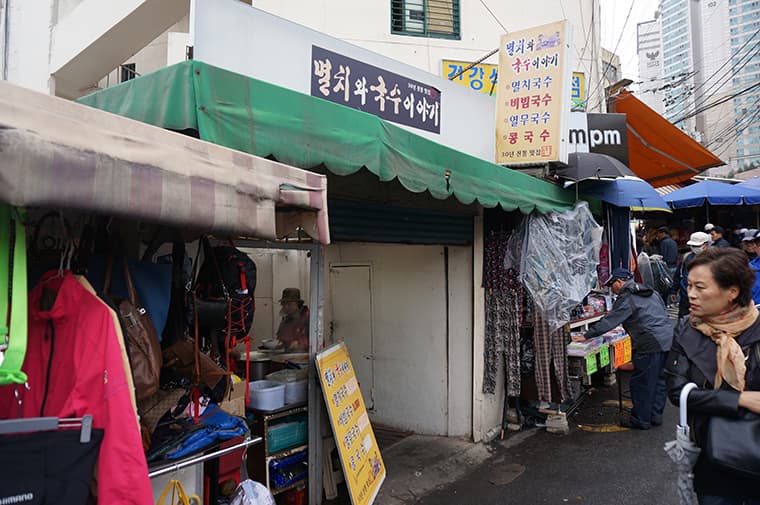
260 364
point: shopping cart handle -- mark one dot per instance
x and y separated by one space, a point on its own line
682 401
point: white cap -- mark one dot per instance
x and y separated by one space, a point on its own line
698 238
749 235
709 226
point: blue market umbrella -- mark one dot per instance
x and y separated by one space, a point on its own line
714 193
753 183
625 192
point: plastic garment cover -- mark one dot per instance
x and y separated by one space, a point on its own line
663 280
559 258
250 492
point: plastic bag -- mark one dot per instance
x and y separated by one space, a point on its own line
250 492
645 270
559 258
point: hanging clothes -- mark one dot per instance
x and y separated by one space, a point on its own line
619 219
75 367
502 331
550 350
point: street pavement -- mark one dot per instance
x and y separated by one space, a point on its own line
590 468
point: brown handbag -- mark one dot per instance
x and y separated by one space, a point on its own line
142 339
185 357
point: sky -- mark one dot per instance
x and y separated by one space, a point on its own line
616 32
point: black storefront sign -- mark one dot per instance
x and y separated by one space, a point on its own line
608 134
350 82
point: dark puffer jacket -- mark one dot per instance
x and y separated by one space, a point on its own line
641 312
692 359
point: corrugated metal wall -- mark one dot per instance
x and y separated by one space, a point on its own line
373 222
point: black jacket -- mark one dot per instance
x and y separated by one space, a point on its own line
642 315
692 359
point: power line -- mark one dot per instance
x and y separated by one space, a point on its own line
717 102
729 60
494 16
614 52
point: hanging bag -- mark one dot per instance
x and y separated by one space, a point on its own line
142 340
176 495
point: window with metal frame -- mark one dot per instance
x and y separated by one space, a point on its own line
426 18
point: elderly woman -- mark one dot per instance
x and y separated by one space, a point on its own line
718 347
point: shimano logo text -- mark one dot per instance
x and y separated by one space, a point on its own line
19 498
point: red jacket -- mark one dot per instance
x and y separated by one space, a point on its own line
86 377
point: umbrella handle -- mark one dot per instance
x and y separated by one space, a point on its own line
682 401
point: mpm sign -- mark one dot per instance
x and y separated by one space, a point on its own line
595 137
599 133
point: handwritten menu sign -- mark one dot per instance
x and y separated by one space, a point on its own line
360 457
533 99
350 82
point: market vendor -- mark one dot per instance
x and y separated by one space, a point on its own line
293 331
646 321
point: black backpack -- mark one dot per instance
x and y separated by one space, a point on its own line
228 273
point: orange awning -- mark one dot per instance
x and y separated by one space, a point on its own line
658 152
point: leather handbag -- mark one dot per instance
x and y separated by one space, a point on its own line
142 339
734 443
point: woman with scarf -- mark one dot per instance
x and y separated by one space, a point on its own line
718 347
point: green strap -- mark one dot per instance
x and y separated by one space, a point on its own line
10 368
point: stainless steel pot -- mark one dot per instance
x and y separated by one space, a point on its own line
261 365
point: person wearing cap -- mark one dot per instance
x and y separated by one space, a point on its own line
748 243
642 313
698 242
716 234
668 248
709 227
293 331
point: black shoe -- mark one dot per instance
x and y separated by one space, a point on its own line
628 423
656 423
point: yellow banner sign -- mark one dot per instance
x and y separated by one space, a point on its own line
578 91
482 77
360 457
533 99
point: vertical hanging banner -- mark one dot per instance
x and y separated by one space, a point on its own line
360 457
533 98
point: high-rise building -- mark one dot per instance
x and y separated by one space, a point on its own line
744 23
680 51
710 63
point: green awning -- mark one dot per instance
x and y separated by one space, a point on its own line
265 120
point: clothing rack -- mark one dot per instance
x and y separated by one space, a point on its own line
32 424
205 457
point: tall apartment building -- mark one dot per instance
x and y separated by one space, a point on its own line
744 23
710 57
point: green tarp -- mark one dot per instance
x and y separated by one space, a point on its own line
266 120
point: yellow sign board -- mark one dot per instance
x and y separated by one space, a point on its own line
481 77
533 99
578 91
360 457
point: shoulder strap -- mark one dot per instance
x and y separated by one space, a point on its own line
12 231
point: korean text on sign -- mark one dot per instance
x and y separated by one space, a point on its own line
533 96
481 77
357 448
350 82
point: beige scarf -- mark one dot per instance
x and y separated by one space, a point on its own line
723 329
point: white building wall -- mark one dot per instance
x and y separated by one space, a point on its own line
368 24
28 46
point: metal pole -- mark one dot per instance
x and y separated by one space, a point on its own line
190 462
316 331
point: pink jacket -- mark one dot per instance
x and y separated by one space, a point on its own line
86 376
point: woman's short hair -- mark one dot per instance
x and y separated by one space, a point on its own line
729 267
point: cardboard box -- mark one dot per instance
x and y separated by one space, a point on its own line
235 403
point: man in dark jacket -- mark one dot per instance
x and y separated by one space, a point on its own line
642 313
716 234
668 248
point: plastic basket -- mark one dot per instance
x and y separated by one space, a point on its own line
286 435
